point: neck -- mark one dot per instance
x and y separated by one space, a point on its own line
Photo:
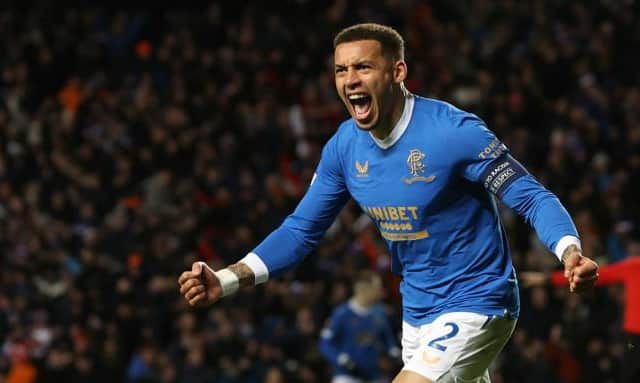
362 303
386 124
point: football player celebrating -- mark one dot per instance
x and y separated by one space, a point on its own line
428 174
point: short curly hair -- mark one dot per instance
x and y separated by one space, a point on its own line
390 40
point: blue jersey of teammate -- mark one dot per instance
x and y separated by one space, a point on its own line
355 338
429 187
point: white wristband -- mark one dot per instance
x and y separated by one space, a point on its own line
229 281
565 242
260 271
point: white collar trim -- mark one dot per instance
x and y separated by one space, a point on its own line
400 127
358 309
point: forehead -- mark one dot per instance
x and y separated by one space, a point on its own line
353 51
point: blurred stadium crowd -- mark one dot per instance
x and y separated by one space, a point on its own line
134 142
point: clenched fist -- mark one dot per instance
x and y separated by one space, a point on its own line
200 286
581 271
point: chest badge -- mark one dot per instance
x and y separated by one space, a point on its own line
362 169
415 162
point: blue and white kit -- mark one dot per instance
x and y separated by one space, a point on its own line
430 187
361 335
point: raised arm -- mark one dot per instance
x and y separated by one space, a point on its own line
483 158
285 247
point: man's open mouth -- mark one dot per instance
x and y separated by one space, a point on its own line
361 103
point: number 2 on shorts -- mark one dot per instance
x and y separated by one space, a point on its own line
454 331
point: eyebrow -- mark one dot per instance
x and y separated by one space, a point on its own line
361 62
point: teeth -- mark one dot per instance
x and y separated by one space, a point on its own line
354 97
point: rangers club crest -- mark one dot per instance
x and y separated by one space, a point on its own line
416 168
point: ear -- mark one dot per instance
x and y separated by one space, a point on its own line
399 71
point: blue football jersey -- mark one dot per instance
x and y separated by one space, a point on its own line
363 335
430 188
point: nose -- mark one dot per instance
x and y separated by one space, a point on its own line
352 78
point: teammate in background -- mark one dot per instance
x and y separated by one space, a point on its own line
626 273
428 174
358 334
